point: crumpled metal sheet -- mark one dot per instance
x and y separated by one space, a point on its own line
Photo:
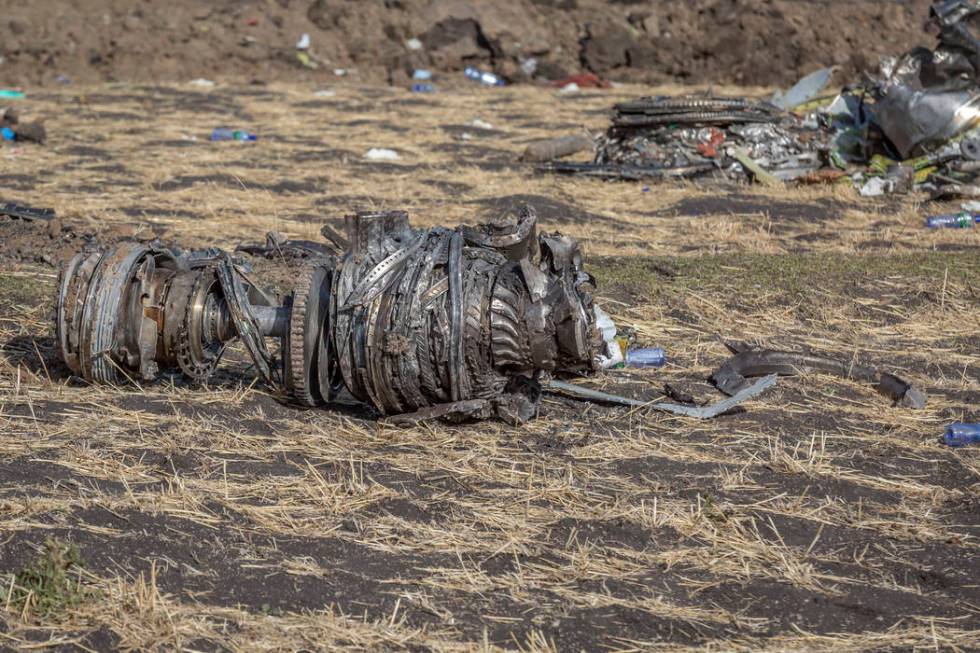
926 97
918 120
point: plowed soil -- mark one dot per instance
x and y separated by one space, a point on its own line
758 42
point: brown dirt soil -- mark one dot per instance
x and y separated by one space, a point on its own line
818 518
758 42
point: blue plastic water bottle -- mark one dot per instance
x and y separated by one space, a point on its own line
959 434
646 357
226 134
954 220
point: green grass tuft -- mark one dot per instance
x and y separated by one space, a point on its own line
49 585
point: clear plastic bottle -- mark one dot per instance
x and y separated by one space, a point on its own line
646 357
959 434
954 220
227 134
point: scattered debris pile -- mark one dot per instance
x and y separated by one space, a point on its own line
665 137
915 125
452 323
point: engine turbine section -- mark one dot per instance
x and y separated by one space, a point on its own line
421 324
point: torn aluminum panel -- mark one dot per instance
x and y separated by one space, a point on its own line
448 323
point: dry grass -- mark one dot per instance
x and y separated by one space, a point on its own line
819 519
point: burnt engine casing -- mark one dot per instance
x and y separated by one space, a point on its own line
450 323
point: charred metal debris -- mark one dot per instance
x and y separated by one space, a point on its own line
453 323
914 125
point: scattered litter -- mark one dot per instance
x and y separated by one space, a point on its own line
201 82
422 74
529 66
340 72
423 88
646 357
582 80
23 212
874 187
749 362
700 412
485 78
306 61
556 148
953 220
326 92
304 42
960 434
381 154
8 134
569 89
62 79
480 124
11 95
613 353
413 44
227 134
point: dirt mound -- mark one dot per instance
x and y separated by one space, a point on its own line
759 42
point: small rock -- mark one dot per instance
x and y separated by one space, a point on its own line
144 235
54 228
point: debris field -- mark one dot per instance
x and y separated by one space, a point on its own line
816 516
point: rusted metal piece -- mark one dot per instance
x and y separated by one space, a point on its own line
418 323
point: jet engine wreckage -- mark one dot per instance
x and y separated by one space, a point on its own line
420 324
